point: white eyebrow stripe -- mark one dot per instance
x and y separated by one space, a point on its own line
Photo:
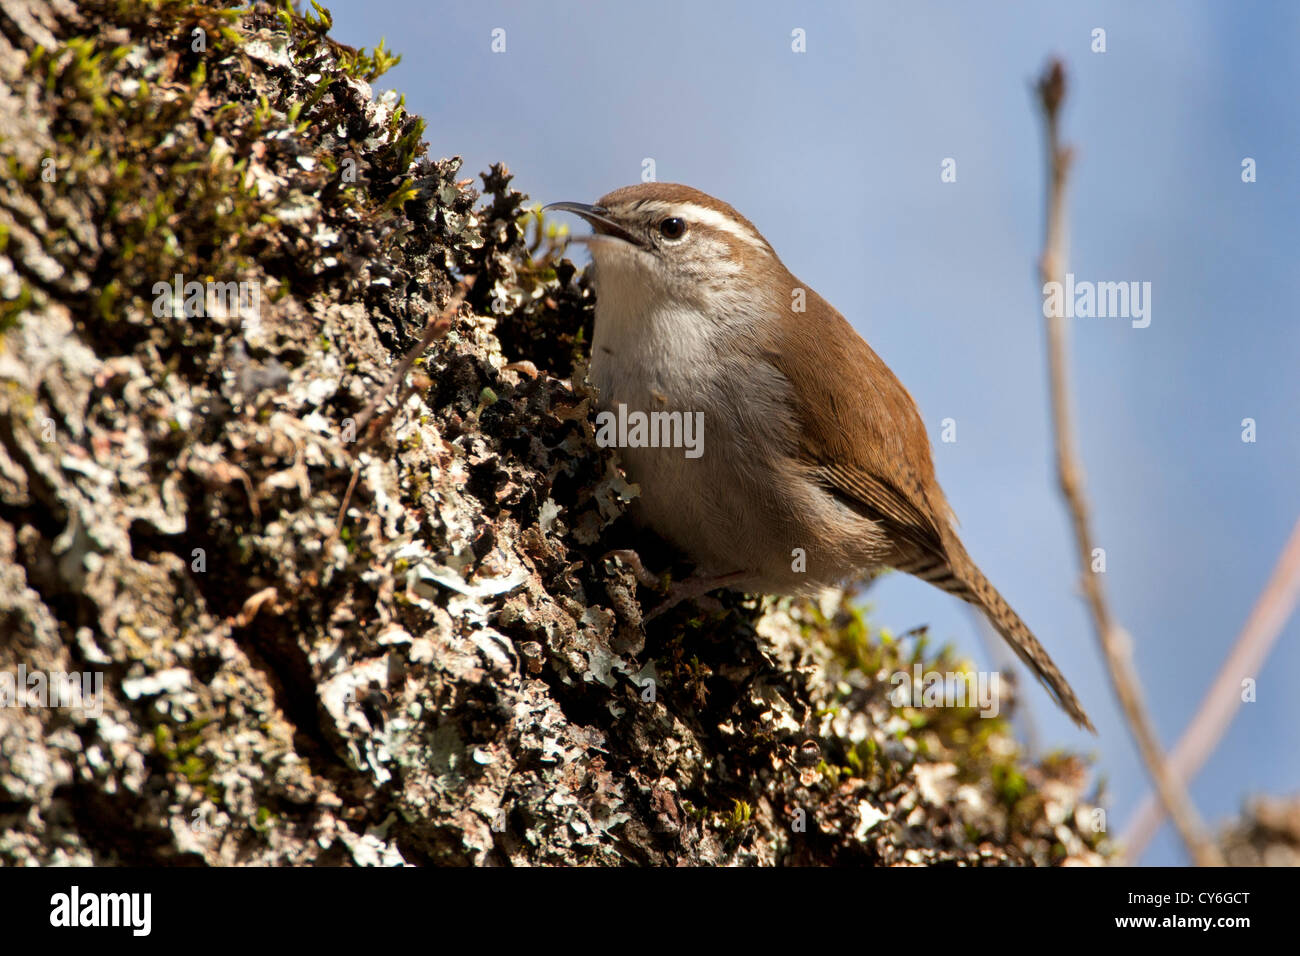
707 217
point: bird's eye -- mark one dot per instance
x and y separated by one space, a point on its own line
672 228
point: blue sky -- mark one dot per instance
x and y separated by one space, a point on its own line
835 155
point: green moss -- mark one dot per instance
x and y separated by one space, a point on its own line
141 148
369 66
265 819
178 749
11 310
739 817
1009 784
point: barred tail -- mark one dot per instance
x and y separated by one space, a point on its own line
959 576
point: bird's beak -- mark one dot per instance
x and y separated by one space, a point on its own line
599 219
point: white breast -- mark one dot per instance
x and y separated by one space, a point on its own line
742 505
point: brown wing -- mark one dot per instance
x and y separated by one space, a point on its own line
870 446
884 470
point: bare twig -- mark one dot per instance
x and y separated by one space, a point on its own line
347 500
1215 712
1115 644
342 516
436 328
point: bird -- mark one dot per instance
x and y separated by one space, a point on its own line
813 465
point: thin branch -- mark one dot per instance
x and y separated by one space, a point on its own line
436 328
1214 715
1115 643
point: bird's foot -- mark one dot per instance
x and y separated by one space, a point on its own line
633 561
696 586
